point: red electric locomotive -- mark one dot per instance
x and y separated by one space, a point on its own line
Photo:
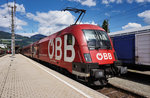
84 50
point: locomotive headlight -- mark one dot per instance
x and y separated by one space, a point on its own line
87 57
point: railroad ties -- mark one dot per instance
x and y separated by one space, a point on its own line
21 77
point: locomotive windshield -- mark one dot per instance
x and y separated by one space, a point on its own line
97 39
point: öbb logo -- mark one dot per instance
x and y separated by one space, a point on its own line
105 56
57 47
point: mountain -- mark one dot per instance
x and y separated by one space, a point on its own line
37 36
6 35
25 40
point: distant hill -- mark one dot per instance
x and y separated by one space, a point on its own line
6 35
25 40
37 36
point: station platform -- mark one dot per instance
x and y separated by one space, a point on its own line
140 72
132 86
21 77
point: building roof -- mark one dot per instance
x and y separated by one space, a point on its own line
3 46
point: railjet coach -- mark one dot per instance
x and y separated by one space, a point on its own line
84 50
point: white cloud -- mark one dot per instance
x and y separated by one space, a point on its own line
19 8
120 1
129 1
131 25
86 2
111 1
50 30
145 15
30 15
27 34
116 11
107 14
89 3
52 21
105 2
5 17
20 22
139 1
90 22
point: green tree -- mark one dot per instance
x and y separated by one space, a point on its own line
105 26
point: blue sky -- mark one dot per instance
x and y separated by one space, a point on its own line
45 16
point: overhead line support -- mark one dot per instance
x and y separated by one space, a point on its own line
13 9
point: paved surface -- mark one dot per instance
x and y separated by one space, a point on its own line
21 77
135 87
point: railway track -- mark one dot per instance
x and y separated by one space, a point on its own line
114 91
117 92
137 77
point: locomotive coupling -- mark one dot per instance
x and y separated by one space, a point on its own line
121 69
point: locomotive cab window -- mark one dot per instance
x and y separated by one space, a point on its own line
97 39
69 39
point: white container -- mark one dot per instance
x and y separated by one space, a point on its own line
142 48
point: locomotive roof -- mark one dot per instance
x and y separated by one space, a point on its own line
79 26
144 29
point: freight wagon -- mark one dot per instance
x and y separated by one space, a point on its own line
133 46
